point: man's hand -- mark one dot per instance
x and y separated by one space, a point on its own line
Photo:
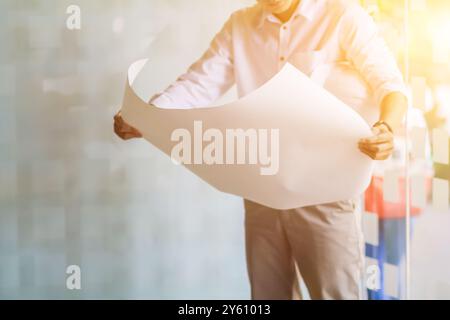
380 146
123 130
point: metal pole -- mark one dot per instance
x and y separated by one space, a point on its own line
407 179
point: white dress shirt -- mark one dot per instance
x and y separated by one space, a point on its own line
254 45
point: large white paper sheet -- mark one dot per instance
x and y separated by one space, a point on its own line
318 158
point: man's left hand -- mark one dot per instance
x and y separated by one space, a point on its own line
380 146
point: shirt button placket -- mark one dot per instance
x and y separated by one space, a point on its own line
283 44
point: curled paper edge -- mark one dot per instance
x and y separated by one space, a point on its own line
309 174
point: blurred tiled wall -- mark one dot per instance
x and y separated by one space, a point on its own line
71 192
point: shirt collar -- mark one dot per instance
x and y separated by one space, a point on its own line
306 9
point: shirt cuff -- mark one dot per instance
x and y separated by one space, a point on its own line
388 89
161 101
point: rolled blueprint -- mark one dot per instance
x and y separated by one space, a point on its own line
288 144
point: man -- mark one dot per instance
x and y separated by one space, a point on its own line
324 241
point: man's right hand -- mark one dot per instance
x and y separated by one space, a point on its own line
123 130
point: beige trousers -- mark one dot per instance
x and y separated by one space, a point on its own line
324 241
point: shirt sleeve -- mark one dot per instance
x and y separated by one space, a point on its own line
206 80
367 50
